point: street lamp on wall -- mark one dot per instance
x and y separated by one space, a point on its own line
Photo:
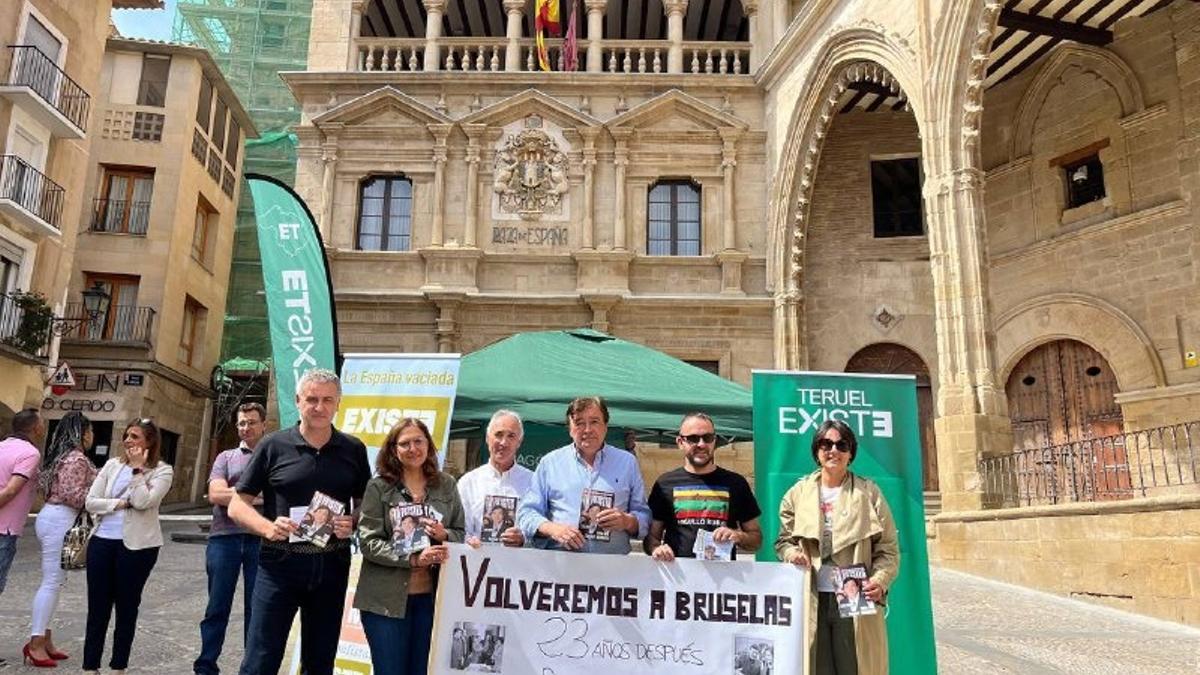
95 306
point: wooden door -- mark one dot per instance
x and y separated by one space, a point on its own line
1062 401
892 359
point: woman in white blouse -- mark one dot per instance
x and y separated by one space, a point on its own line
124 547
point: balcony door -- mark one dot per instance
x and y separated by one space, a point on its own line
119 323
125 202
45 81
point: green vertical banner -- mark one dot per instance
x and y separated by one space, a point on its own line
299 296
882 412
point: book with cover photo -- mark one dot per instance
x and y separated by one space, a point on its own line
707 548
852 600
499 514
316 522
592 503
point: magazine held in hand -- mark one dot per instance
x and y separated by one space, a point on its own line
499 514
852 599
408 527
707 548
316 520
593 502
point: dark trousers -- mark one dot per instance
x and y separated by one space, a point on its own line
115 578
312 583
227 557
833 650
401 646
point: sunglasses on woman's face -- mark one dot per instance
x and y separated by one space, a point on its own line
826 444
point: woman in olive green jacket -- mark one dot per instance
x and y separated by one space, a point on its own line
395 588
833 518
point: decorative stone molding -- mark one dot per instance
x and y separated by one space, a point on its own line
981 51
372 104
1153 214
676 102
885 318
1065 58
731 271
1133 123
530 173
1158 394
601 304
450 269
602 272
1095 322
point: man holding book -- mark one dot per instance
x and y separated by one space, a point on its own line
498 483
701 500
586 470
290 468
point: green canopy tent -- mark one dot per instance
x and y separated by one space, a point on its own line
538 374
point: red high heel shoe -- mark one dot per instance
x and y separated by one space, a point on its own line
30 659
57 655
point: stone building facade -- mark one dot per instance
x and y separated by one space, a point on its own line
49 72
994 196
161 186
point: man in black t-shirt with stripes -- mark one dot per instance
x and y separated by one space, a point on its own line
700 496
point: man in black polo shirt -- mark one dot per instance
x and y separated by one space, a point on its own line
287 468
700 496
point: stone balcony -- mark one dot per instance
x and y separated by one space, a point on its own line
483 54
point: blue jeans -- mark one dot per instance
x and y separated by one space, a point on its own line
227 557
313 584
401 646
8 551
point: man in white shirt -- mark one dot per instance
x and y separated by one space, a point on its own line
500 477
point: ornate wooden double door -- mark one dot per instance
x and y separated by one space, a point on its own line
1067 424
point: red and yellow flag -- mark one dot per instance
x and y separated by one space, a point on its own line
545 19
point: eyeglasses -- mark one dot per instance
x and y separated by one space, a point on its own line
695 439
826 445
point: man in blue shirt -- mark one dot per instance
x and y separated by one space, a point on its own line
588 469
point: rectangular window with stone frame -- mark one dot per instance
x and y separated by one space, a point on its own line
673 218
385 214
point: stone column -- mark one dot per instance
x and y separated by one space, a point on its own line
675 9
589 188
729 137
446 326
357 7
433 33
620 161
595 33
329 159
473 131
972 418
750 8
513 9
437 230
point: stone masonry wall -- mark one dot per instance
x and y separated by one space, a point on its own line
1141 555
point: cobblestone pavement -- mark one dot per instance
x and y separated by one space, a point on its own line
982 626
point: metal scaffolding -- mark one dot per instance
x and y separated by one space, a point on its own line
251 41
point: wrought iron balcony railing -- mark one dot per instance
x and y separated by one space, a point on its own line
31 189
120 216
1135 464
120 324
33 69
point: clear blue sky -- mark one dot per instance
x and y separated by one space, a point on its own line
154 24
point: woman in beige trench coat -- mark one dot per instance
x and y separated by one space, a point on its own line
832 518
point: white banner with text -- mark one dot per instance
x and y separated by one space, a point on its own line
530 612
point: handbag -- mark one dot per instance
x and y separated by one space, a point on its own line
75 542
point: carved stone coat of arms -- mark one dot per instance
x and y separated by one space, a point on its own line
531 172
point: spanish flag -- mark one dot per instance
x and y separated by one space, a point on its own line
545 19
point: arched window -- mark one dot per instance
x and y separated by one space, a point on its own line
673 225
385 214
